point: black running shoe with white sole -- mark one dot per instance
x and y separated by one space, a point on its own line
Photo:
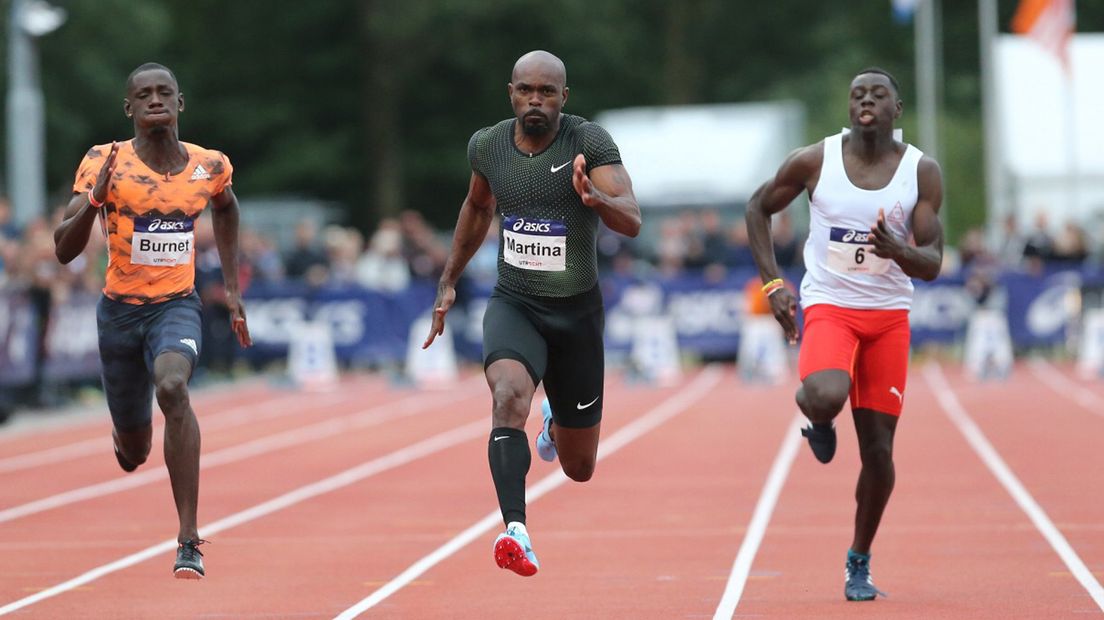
822 440
189 560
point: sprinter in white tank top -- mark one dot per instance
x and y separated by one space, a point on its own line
869 194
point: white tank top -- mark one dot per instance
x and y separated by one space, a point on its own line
840 268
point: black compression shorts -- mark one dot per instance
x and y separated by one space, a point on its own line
559 340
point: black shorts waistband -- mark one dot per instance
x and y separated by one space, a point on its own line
592 296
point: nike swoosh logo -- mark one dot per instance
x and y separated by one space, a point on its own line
501 437
581 406
560 167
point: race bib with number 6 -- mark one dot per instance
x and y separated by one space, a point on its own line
540 245
851 251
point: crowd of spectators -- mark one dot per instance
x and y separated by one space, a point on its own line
406 248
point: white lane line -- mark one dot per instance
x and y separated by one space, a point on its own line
230 418
350 476
760 518
992 459
681 401
257 447
1065 386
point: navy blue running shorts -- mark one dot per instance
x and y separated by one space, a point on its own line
131 338
559 340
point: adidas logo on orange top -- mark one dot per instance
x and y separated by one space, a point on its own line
150 220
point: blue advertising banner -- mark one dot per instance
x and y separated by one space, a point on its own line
18 350
371 328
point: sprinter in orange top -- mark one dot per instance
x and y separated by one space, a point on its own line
147 193
149 219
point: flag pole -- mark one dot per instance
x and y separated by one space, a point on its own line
995 197
1073 169
929 64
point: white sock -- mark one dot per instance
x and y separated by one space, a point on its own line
517 525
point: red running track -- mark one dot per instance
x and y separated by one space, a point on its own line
378 500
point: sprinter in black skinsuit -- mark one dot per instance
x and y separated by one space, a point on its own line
551 176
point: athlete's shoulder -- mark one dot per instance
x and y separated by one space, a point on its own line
806 158
201 152
501 127
210 163
100 151
586 127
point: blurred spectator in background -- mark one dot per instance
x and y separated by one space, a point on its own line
382 266
41 274
306 261
1038 245
1010 247
259 256
1071 246
671 248
713 241
219 343
787 247
972 249
8 230
739 252
9 240
343 246
423 250
482 269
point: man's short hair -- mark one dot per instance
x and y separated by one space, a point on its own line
881 71
150 66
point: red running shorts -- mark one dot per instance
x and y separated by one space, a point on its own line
872 346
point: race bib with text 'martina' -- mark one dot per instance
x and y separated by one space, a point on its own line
540 245
162 242
850 251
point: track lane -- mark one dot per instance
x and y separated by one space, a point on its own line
952 542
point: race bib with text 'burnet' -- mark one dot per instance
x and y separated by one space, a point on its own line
162 242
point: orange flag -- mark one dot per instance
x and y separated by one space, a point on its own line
1049 22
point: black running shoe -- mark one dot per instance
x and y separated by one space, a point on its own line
189 560
859 585
822 439
125 464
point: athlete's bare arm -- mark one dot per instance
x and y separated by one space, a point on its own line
72 234
224 220
925 259
476 214
798 173
608 190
